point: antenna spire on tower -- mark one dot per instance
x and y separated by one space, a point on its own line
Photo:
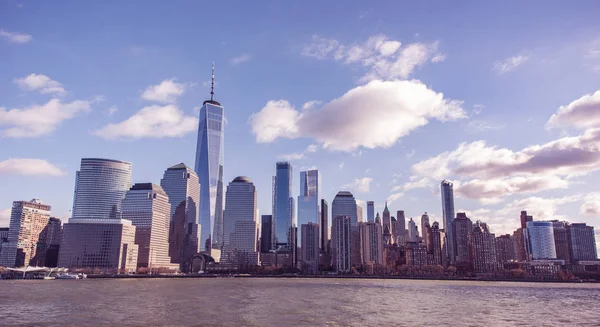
212 85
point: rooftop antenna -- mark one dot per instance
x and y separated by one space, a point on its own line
212 85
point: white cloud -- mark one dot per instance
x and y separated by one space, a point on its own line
151 122
341 165
491 191
483 126
112 110
362 185
165 92
240 59
477 109
396 108
382 57
15 37
581 113
411 153
38 120
508 64
591 205
40 83
5 217
300 155
310 104
29 167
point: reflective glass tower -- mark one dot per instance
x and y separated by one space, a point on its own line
283 204
308 200
209 167
448 216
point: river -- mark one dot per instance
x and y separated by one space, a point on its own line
295 302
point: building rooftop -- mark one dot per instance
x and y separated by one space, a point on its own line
102 159
344 194
179 166
147 187
242 179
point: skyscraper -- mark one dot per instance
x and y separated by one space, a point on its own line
482 249
310 247
435 244
359 213
561 240
461 227
324 225
266 233
344 204
28 219
371 241
425 227
525 218
209 167
540 240
413 232
308 200
100 185
283 206
240 224
582 242
371 211
147 206
505 248
341 244
448 216
401 226
387 221
181 184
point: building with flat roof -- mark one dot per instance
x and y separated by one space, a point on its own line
540 240
341 244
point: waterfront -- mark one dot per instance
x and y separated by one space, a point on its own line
294 302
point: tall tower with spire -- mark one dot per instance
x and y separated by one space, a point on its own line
209 167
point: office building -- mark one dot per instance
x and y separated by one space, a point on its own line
283 209
359 213
540 240
309 254
344 204
370 211
104 244
582 242
448 217
525 218
240 224
28 220
308 200
147 206
505 250
266 233
100 185
3 239
435 244
561 240
371 239
49 243
416 254
482 249
181 184
425 227
520 244
209 167
461 227
341 244
387 223
324 226
413 232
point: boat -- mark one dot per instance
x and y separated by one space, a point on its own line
49 277
68 276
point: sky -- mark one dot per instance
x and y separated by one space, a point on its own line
386 100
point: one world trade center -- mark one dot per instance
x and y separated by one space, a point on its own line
209 167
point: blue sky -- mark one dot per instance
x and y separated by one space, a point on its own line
378 97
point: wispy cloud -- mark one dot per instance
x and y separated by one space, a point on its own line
40 83
166 92
504 66
362 185
240 59
15 37
29 167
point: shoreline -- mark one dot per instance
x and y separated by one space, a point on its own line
577 281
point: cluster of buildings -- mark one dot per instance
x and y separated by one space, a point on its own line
191 222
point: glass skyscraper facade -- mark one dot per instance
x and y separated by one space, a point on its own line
283 204
540 240
209 167
308 200
448 216
344 204
370 211
100 185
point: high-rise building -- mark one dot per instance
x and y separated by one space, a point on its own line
416 254
371 239
147 206
425 227
283 210
505 248
582 242
341 243
28 220
461 227
394 231
525 218
540 240
359 213
3 239
387 222
181 184
324 225
105 244
371 211
344 204
308 200
310 247
413 232
520 245
448 217
482 249
240 224
435 244
561 240
266 233
49 243
209 167
100 185
401 227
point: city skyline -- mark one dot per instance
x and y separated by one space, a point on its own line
490 112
